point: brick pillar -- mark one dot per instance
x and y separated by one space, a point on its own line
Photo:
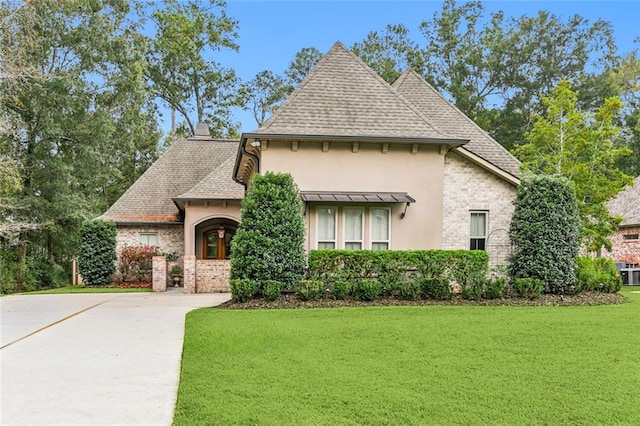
189 274
159 264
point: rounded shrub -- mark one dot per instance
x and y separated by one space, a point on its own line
495 288
269 243
271 289
529 288
435 288
97 256
342 289
367 290
310 289
243 290
545 232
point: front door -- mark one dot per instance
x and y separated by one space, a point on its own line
217 244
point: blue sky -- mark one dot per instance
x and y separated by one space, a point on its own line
271 32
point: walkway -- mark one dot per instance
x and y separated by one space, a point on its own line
93 359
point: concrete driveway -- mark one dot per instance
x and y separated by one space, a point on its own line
93 359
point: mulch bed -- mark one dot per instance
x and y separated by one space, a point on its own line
587 298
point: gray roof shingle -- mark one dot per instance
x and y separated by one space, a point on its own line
343 97
448 118
178 170
217 185
627 204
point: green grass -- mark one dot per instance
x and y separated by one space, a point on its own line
412 365
82 289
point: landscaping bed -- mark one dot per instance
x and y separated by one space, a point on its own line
291 301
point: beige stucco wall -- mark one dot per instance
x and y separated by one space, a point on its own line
198 212
468 187
419 174
624 250
170 237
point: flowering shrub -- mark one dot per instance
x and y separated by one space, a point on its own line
135 262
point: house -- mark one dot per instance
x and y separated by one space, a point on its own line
625 242
378 166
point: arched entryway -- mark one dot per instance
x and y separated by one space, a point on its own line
213 238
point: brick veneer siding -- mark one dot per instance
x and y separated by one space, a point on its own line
159 273
623 249
170 237
212 276
468 187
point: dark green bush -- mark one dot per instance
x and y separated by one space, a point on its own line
495 288
243 290
269 243
530 288
598 274
42 273
342 289
406 289
310 289
271 289
367 290
473 290
545 232
97 252
435 288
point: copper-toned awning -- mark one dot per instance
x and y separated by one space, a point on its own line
356 197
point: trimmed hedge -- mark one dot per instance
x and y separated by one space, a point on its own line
391 267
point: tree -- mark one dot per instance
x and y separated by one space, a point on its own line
71 90
544 232
302 64
180 65
269 243
390 53
264 94
580 145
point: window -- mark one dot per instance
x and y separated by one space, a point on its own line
148 239
380 228
353 228
478 230
326 227
630 237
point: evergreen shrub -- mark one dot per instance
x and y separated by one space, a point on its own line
367 289
342 289
529 288
310 289
545 232
243 290
97 257
271 289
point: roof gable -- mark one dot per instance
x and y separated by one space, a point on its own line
180 168
627 204
446 117
217 185
343 97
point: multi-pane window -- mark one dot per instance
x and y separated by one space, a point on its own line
380 228
148 238
353 228
478 231
326 227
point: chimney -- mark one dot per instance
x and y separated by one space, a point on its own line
202 131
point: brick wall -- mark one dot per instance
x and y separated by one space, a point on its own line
212 276
623 249
469 187
170 237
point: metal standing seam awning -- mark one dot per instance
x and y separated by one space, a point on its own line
356 197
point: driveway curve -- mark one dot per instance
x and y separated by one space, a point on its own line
93 359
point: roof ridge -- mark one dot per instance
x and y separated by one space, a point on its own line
453 107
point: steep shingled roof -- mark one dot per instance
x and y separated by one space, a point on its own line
627 205
448 118
217 185
343 97
178 170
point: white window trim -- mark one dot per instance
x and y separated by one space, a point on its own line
486 227
344 227
141 234
371 240
335 226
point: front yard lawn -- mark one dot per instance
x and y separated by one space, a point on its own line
412 365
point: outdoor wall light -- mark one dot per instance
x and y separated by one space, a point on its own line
255 143
221 232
